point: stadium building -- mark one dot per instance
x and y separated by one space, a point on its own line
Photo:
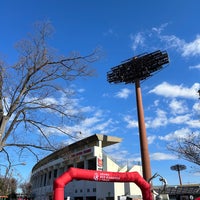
85 154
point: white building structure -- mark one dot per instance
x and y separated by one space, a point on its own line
86 154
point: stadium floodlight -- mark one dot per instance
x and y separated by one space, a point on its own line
132 71
178 168
138 68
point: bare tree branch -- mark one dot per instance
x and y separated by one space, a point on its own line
33 96
187 148
8 158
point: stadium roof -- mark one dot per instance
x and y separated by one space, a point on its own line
193 189
88 142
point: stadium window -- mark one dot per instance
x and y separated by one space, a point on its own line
45 179
55 172
41 178
49 175
80 165
92 163
61 171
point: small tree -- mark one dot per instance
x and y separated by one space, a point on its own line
35 97
26 188
8 185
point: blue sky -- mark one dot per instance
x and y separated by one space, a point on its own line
123 29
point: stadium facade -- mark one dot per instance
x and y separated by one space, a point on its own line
87 153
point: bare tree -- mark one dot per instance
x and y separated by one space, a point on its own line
35 99
188 148
26 188
8 185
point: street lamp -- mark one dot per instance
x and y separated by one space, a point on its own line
132 71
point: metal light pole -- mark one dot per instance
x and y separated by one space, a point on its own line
178 168
132 71
143 137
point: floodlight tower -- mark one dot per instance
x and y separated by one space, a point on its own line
178 168
132 71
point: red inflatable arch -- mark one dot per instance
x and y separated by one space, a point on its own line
103 176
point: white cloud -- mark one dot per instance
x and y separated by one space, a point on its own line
110 32
181 119
81 90
186 49
192 48
90 121
151 139
50 100
197 173
137 40
162 156
196 108
122 156
195 67
103 127
160 28
167 90
185 119
178 107
173 42
178 134
156 103
131 122
158 121
194 123
87 109
123 93
97 123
